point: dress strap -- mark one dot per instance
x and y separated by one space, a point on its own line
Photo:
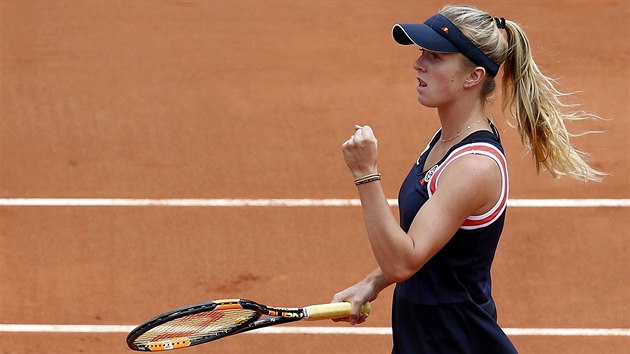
485 149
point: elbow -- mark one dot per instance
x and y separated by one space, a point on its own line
402 265
398 273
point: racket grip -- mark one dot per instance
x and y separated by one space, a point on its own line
332 310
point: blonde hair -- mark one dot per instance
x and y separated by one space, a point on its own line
530 95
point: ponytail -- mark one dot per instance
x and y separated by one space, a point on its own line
528 94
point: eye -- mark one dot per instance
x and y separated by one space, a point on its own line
433 56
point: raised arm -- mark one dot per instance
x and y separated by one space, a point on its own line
470 185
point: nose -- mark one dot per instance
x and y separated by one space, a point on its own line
418 64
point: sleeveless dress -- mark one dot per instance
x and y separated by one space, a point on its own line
447 306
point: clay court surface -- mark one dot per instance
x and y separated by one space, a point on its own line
226 100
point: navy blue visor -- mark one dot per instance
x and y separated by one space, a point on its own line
439 34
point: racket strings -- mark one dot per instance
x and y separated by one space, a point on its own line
203 324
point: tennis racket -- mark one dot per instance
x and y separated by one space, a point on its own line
202 323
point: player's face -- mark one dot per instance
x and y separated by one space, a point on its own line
440 77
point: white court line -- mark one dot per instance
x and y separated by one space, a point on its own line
83 202
126 202
358 330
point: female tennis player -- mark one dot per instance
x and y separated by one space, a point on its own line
453 201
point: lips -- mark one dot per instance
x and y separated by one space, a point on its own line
421 83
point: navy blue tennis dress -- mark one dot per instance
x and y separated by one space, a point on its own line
447 306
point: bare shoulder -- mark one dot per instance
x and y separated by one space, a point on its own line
475 179
474 166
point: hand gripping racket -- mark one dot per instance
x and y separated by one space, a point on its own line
202 323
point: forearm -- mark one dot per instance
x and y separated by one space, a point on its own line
391 246
393 249
377 281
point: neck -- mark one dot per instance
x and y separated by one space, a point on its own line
458 116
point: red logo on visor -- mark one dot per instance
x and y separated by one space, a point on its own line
445 29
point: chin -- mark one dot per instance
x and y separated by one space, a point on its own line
427 103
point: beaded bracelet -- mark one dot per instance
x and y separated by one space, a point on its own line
367 179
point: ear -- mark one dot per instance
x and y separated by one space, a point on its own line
476 77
